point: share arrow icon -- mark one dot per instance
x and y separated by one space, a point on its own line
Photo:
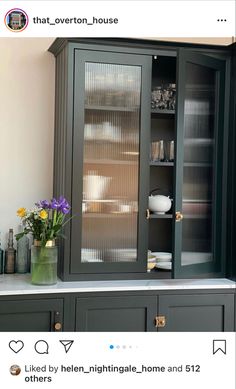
67 344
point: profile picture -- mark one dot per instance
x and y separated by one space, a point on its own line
15 370
16 20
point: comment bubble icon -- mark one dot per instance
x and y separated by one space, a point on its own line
41 347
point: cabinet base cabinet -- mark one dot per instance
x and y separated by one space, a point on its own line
31 315
120 312
200 313
128 313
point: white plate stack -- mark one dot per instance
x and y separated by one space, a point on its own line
163 260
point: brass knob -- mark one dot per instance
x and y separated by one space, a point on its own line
147 214
57 326
160 321
178 216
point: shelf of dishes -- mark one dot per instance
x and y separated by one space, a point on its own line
112 208
106 207
101 130
155 260
159 260
163 260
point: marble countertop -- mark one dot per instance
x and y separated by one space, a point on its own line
17 284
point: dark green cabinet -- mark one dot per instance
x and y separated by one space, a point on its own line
144 311
212 312
127 313
200 312
104 128
31 314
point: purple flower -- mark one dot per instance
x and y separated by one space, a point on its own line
63 205
65 210
60 205
43 204
54 204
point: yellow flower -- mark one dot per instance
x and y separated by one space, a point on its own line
21 212
43 214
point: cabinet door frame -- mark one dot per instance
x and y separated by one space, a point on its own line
217 265
196 300
109 302
20 305
80 57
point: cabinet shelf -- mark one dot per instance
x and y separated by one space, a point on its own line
94 215
109 162
152 163
198 141
110 108
197 164
163 111
160 216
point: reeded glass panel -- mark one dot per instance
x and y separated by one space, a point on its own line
198 174
111 163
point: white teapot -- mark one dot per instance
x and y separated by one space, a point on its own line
159 204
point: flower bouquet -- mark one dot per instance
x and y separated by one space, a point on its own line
45 222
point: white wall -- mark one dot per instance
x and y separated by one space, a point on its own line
26 126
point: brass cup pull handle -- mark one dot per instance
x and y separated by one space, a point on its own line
57 326
178 216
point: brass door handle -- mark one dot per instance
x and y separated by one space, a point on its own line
160 321
178 216
57 326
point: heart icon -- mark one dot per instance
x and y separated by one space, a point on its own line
16 345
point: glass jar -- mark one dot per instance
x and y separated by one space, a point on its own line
44 263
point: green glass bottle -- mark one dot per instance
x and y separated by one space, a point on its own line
10 255
22 254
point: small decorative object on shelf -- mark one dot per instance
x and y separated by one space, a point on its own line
162 151
1 257
44 222
10 255
164 97
159 204
169 151
22 254
157 151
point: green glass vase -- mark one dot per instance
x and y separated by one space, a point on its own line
44 263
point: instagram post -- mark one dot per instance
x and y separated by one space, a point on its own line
118 187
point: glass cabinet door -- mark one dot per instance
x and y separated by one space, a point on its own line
110 150
199 163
